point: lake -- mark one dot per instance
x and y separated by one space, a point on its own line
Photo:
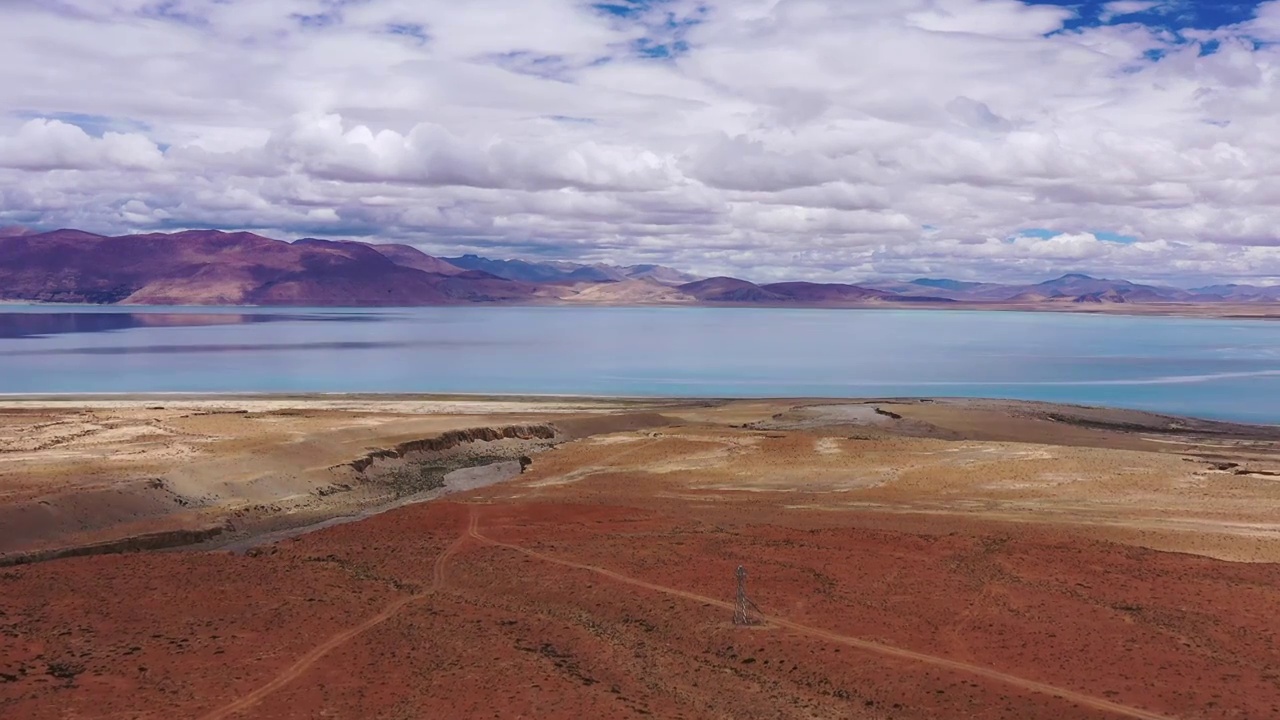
1227 369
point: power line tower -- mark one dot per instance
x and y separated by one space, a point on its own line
745 612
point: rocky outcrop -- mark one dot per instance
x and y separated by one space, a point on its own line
452 439
134 543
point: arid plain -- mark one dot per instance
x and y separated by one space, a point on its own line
384 557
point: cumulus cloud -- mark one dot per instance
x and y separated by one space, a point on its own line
431 155
816 139
1118 8
54 145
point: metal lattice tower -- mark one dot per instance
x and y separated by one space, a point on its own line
745 612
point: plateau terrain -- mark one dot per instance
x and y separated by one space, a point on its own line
210 267
404 557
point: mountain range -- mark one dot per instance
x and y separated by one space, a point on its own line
568 272
210 267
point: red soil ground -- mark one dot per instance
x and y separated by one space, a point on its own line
558 609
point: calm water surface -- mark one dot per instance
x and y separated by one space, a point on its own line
1211 368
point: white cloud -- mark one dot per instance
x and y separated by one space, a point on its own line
54 145
1266 24
1120 8
989 18
807 138
431 155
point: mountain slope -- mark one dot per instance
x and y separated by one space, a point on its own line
510 269
660 274
411 257
730 290
1078 285
943 289
1239 293
642 291
946 284
208 267
1069 286
562 271
825 292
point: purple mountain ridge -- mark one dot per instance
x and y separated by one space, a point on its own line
211 267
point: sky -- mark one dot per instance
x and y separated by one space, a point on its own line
826 140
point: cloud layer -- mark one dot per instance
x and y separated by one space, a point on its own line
816 139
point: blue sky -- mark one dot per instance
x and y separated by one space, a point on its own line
94 125
1174 15
667 22
670 19
1103 235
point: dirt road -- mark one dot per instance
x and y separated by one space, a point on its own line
873 647
473 532
304 663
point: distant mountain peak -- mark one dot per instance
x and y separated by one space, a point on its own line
562 271
729 289
945 283
214 267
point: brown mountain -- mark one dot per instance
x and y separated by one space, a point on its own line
208 267
568 273
1105 297
645 291
1091 289
730 290
411 257
733 290
1029 297
1240 293
1068 287
826 292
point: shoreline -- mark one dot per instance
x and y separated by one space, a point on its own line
1203 311
85 474
548 402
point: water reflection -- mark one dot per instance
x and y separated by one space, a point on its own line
39 324
171 349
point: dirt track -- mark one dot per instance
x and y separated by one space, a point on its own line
295 671
1080 698
305 662
930 565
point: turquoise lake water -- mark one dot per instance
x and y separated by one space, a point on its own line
1226 369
